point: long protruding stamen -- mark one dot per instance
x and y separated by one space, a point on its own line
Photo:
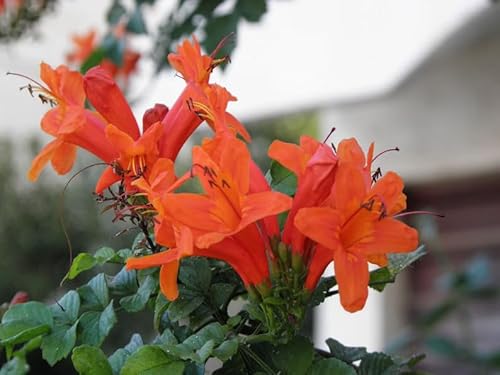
329 134
420 212
383 152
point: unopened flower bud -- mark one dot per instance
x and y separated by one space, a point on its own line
153 115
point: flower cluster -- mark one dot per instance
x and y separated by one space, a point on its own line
341 212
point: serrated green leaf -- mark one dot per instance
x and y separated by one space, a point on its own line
226 350
58 344
294 357
331 366
282 179
94 326
65 311
347 354
120 356
151 360
251 10
161 305
183 306
213 331
136 22
138 301
16 366
375 364
124 254
205 351
167 337
82 262
89 360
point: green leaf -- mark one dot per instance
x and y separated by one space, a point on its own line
161 305
226 350
347 354
375 364
65 311
95 293
94 326
380 278
251 10
115 12
324 286
398 262
25 321
151 360
219 27
331 366
89 360
82 262
94 59
136 22
58 344
183 306
104 255
295 357
195 273
113 48
20 331
221 293
120 356
124 282
32 311
16 366
282 179
138 301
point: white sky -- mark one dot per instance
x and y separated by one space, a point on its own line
304 53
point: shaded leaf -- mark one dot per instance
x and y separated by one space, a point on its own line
115 12
138 301
282 179
324 286
294 357
120 356
226 350
183 306
65 311
94 295
345 353
251 10
94 326
124 282
375 364
136 22
195 273
331 366
16 366
89 360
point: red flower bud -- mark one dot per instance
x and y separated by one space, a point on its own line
153 115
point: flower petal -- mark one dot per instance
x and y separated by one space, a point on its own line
351 272
168 280
321 224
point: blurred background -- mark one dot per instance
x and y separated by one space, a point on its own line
419 75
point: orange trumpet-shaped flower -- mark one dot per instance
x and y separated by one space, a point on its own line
69 122
314 164
85 45
357 227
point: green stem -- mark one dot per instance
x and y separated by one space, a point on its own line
268 370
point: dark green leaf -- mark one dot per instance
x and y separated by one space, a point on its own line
251 10
195 273
115 12
113 48
58 344
16 366
183 306
82 262
324 286
95 326
151 360
331 366
375 364
119 357
345 353
221 293
161 305
295 357
138 301
136 22
216 29
104 255
166 338
398 262
32 311
282 179
89 360
65 311
24 321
